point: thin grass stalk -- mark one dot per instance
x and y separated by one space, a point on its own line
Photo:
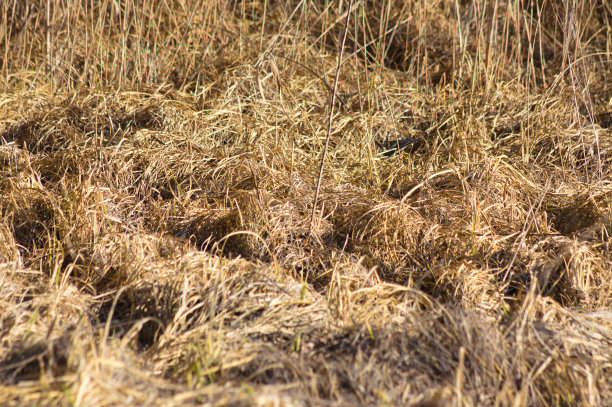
331 117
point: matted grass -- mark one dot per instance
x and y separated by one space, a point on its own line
158 165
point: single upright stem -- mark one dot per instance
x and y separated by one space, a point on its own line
331 118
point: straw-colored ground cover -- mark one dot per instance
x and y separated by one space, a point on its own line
158 165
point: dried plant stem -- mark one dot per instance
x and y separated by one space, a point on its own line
331 117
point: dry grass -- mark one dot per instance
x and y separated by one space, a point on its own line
158 164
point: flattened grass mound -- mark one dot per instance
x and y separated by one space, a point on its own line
158 164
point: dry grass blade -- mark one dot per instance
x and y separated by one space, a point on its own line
330 121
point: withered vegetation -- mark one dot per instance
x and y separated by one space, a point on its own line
158 163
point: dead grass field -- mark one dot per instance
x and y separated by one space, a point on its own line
158 166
